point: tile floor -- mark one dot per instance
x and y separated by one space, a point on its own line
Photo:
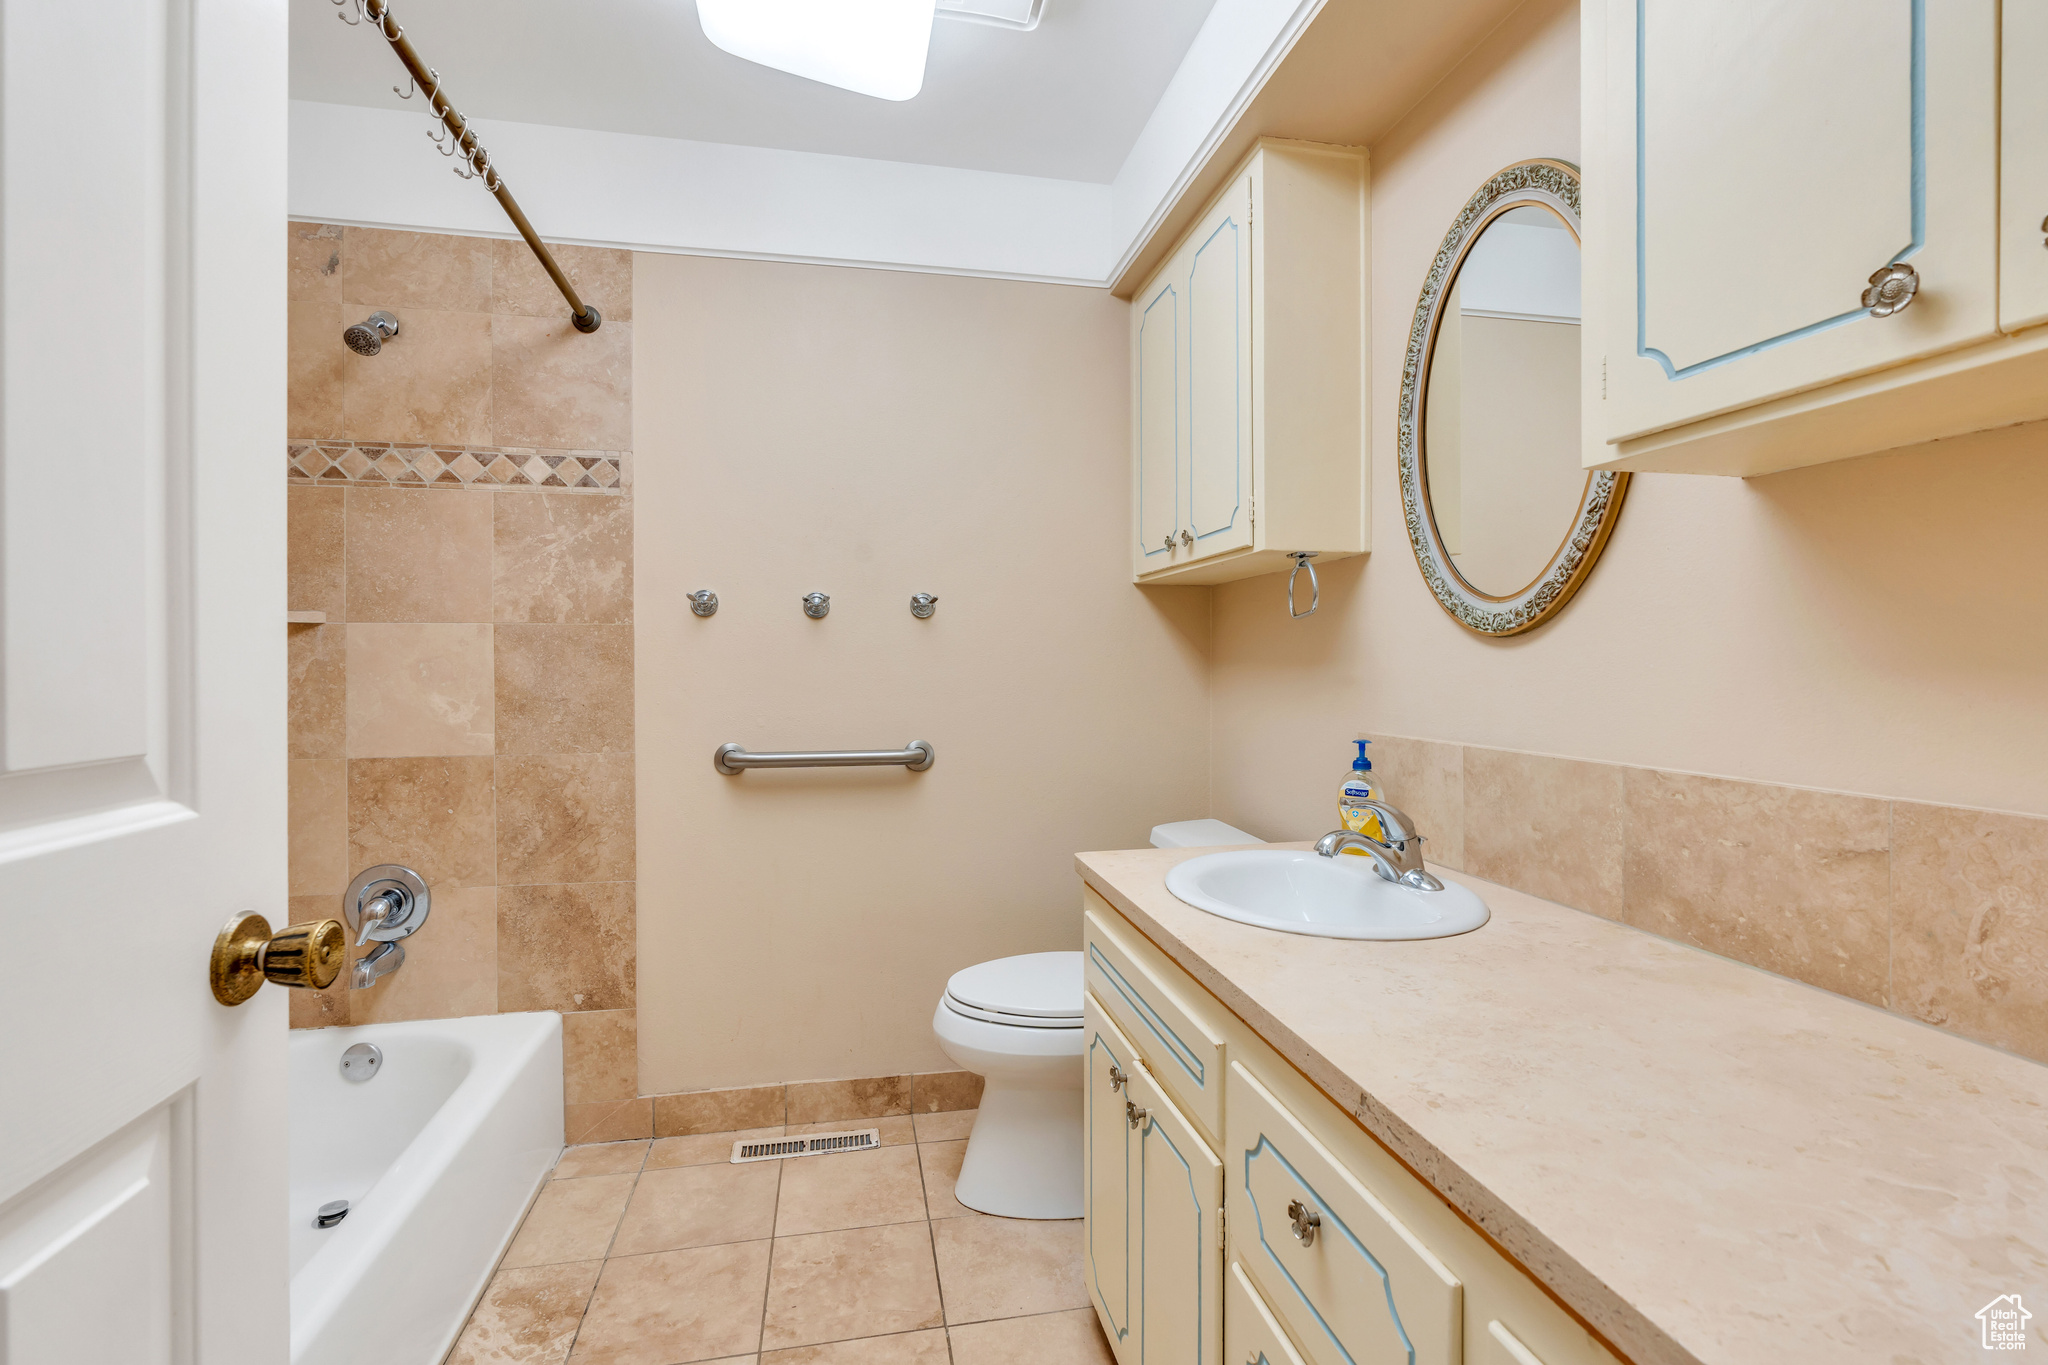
663 1253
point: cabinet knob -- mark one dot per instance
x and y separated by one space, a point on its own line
1133 1114
1168 542
1118 1079
1187 539
1305 1221
1892 288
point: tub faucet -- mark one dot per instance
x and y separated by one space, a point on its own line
383 959
1398 857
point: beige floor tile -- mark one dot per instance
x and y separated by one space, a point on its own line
572 1220
702 1149
834 1286
894 1131
902 1348
527 1317
945 1126
856 1190
941 1163
676 1306
601 1158
698 1206
1070 1338
1008 1267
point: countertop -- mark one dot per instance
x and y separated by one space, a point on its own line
1710 1164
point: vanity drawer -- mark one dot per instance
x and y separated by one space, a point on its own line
1361 1290
1175 1047
1249 1332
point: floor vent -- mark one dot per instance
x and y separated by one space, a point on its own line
816 1144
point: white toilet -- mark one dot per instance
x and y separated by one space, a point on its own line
1016 1022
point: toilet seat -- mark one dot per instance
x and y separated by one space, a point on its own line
1034 990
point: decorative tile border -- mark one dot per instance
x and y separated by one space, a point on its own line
386 464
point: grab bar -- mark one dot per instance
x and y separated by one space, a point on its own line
917 756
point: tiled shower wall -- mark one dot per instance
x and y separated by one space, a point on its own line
1938 913
467 707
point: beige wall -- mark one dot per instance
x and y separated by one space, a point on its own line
457 510
1872 626
869 435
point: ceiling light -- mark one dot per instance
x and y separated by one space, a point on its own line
873 47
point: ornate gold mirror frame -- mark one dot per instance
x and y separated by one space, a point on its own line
1555 186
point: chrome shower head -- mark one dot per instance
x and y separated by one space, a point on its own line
367 336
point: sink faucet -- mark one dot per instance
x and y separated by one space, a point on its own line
1398 857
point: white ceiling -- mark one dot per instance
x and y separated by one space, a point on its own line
1065 101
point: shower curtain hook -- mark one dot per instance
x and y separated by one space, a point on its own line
341 13
1315 593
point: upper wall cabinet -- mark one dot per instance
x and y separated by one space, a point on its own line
1248 399
1794 236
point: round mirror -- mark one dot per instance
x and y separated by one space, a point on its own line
1504 520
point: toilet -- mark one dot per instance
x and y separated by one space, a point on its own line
1016 1022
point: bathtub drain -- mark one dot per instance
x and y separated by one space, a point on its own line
815 1144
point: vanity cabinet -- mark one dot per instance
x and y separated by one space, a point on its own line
1330 1251
1248 397
1753 164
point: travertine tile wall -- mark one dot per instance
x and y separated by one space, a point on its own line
1939 913
467 709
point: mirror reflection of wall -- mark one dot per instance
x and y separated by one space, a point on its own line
1501 420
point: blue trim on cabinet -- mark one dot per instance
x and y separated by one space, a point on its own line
1089 1196
1179 1050
1236 375
1174 350
1917 185
1329 1219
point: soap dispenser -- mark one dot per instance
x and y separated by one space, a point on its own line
1360 785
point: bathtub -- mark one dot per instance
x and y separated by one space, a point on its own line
438 1154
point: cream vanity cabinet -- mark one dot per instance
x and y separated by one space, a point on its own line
1750 166
1248 400
1235 1214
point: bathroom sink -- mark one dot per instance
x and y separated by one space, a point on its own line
1299 892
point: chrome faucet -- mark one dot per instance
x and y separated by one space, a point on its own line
1398 857
383 904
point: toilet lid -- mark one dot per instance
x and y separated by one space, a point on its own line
1034 989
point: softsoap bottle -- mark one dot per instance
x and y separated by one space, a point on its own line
1360 785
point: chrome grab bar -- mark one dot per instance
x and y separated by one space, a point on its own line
917 756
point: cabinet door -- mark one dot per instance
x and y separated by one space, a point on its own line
1156 405
1758 160
2023 174
1219 370
1180 1243
1250 1333
1110 1163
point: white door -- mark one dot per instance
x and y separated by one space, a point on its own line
1219 370
2023 171
1761 160
142 766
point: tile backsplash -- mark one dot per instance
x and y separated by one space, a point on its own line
1938 913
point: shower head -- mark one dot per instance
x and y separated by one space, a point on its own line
367 336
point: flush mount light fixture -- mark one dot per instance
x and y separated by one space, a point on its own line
872 47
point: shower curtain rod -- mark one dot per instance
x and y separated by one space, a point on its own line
585 317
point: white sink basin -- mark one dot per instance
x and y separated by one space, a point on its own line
1299 892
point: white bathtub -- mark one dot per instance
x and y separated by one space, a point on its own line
438 1154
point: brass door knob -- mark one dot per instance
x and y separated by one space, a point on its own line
246 954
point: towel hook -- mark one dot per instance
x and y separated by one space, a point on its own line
1315 593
